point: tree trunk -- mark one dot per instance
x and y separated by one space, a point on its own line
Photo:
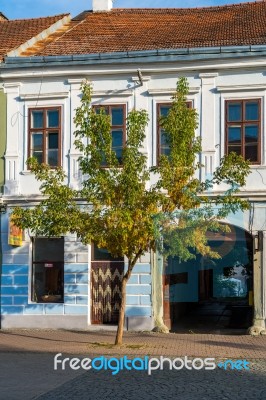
120 328
121 320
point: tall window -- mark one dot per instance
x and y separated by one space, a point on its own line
162 145
243 121
118 127
48 270
45 135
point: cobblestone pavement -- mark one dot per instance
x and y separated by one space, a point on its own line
184 384
27 370
135 343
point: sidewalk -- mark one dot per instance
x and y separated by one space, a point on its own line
27 366
135 343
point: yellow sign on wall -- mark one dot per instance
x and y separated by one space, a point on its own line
15 235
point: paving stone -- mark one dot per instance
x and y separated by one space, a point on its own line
27 373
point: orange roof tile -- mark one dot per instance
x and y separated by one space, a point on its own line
13 33
148 29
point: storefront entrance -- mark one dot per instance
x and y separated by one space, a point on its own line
212 294
106 277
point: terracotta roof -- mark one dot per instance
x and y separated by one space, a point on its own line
148 29
13 33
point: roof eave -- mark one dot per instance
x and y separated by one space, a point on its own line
144 55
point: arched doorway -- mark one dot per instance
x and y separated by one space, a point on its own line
208 294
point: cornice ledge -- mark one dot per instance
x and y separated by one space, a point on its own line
44 96
203 75
108 93
235 88
169 91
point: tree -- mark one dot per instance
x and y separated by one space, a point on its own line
123 212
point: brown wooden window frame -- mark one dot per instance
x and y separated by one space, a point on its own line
159 128
45 131
243 123
123 127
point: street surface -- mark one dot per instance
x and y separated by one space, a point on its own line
27 366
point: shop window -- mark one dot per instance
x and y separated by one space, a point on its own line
48 270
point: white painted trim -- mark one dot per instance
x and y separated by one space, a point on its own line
112 93
171 91
234 88
25 172
8 85
128 69
44 96
76 81
206 75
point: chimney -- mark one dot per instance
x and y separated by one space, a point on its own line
102 5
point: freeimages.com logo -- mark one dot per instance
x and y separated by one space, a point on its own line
116 365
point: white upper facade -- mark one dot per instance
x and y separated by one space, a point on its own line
212 83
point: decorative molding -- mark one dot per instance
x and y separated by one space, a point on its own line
169 91
26 172
113 93
10 155
76 81
235 88
44 96
8 85
208 75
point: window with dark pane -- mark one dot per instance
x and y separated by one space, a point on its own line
117 115
101 254
162 139
45 135
243 123
52 148
163 147
48 270
53 118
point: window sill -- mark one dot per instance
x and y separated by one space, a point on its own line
28 172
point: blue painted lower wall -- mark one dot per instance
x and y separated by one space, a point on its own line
16 281
16 292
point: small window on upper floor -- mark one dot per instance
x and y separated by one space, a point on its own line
243 127
117 114
45 135
162 144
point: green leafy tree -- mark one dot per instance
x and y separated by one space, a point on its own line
117 208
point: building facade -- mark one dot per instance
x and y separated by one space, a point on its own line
61 283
